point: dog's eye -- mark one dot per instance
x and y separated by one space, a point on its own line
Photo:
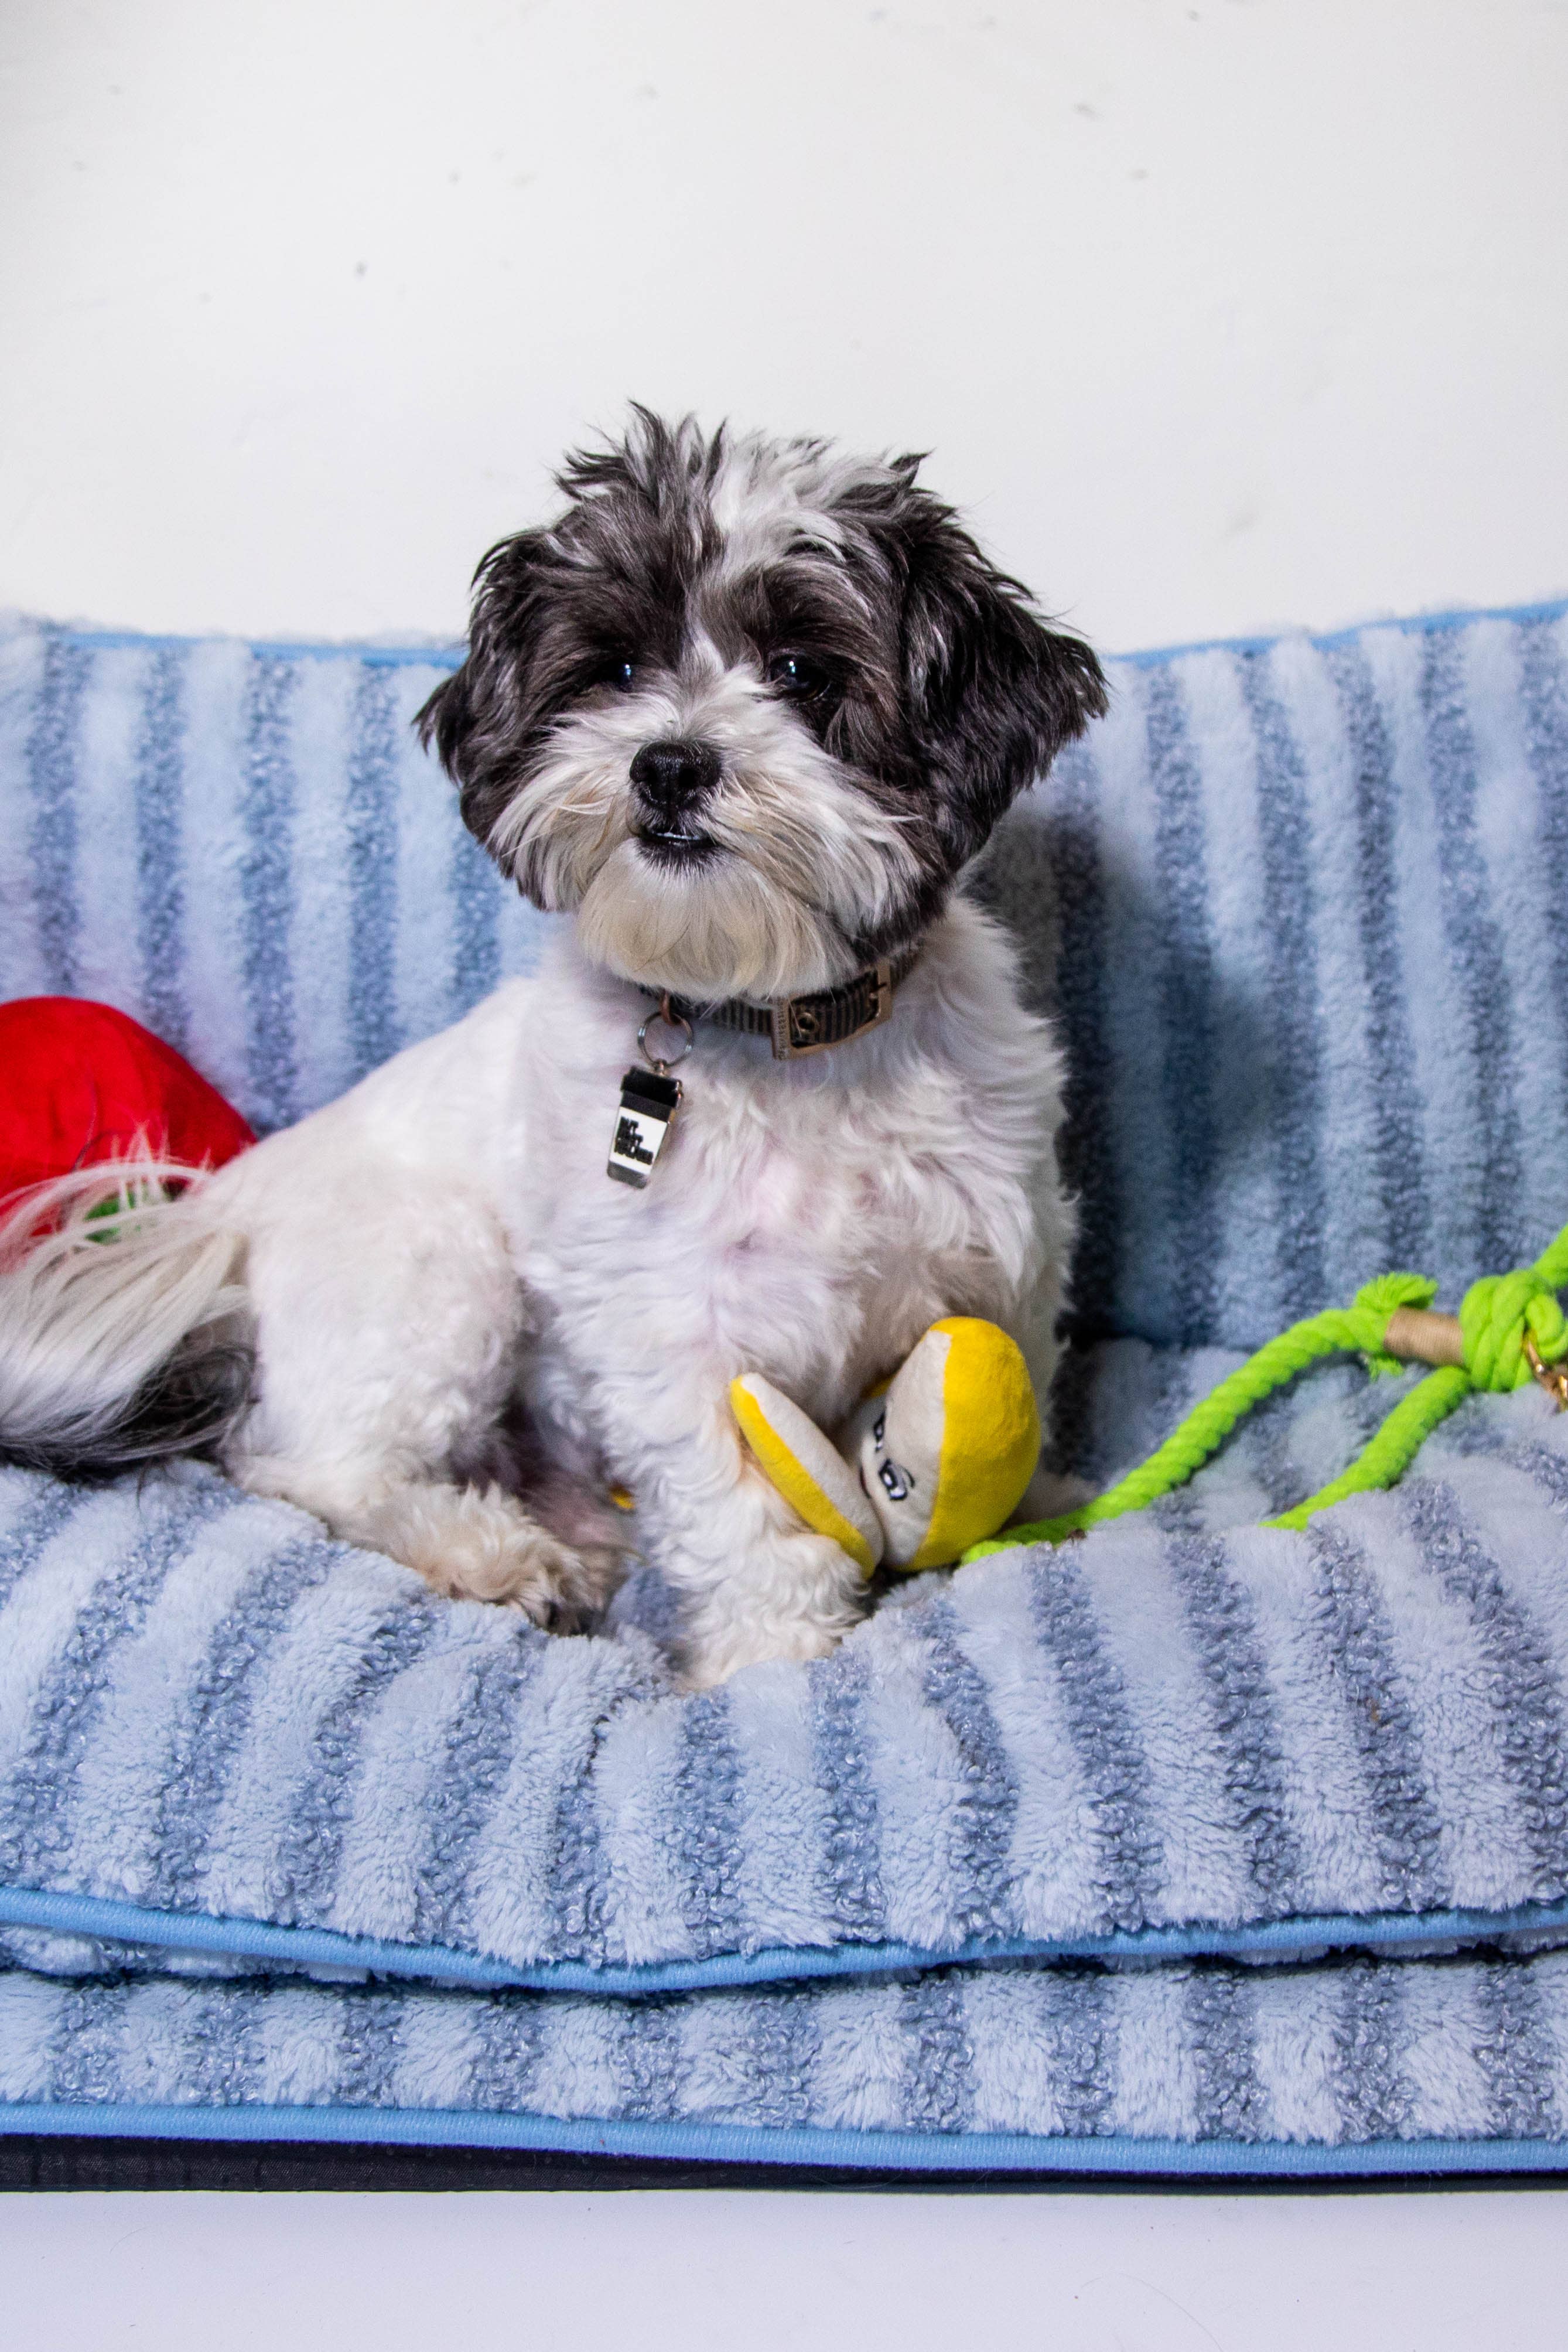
797 674
620 672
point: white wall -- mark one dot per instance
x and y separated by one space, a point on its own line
1215 316
749 2271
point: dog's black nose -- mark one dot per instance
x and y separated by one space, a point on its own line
672 778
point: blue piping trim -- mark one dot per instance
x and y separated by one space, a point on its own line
753 2144
433 657
130 1923
449 655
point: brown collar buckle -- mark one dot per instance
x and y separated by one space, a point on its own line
810 1025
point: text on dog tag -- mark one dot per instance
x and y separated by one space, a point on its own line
648 1104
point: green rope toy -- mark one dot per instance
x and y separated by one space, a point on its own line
1509 1331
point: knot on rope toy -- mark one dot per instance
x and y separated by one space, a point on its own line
1378 1299
1498 1314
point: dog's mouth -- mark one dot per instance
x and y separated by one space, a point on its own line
676 845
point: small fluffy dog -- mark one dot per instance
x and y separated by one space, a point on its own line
745 710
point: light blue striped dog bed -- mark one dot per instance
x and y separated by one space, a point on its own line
289 1849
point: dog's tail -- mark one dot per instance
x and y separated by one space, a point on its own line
123 1322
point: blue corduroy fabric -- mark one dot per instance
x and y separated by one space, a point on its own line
1292 902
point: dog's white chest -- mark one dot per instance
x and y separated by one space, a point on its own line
810 1233
805 1221
744 1170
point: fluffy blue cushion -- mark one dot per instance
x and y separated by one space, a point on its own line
1297 906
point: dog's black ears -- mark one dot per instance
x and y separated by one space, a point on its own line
993 692
476 717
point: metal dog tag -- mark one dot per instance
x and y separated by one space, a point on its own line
649 1101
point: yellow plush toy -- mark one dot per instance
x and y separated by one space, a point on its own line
937 1460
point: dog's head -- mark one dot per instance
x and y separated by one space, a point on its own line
748 708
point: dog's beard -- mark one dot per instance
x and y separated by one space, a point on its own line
802 859
722 931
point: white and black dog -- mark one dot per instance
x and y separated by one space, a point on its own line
746 711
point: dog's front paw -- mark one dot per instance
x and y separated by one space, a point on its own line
795 1596
586 1579
704 1665
478 1543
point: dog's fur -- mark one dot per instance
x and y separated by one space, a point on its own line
459 1331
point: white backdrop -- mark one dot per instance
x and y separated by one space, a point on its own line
1215 316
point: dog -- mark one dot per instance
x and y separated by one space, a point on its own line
746 711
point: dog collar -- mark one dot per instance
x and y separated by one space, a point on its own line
798 1025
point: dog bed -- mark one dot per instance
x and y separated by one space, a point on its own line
1194 1848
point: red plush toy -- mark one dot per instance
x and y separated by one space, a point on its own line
82 1082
